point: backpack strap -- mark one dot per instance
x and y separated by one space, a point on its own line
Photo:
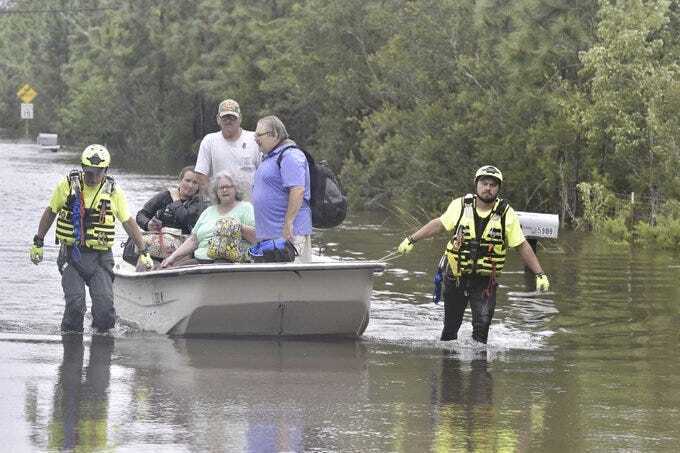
280 158
310 159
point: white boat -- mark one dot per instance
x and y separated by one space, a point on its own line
322 298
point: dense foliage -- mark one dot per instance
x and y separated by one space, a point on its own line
405 98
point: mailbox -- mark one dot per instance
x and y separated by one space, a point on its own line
536 225
48 141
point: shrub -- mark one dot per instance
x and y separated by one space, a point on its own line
614 230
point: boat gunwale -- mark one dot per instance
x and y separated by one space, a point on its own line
201 269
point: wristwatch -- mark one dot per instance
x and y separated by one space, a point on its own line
38 241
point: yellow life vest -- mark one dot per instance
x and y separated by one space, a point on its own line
98 222
468 255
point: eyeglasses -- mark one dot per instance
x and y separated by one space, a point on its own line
228 118
225 187
260 134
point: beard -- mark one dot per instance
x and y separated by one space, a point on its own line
487 198
91 180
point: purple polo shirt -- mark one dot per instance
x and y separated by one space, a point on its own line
270 193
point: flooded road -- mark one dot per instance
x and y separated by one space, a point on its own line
594 367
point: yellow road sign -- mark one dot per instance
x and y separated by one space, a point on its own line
29 96
25 87
26 93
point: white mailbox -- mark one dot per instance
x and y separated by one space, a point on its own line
536 225
48 141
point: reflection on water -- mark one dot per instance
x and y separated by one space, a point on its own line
467 418
253 395
80 417
591 367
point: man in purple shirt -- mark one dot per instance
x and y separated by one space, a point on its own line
281 189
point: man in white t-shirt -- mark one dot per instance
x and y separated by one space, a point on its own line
232 149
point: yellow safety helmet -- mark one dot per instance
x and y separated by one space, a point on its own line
96 156
489 170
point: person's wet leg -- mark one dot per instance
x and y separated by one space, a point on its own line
455 301
482 305
101 292
74 296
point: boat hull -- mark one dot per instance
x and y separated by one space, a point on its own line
327 299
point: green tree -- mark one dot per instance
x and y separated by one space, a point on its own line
123 89
35 50
632 88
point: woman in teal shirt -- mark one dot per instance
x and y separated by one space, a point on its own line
228 214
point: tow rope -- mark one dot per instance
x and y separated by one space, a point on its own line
488 291
393 254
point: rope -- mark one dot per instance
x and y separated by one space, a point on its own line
488 291
392 255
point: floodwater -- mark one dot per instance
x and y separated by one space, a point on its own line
593 367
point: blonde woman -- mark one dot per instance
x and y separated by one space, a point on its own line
177 207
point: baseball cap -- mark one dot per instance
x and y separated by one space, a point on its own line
229 107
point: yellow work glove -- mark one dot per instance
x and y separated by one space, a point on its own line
406 245
542 283
36 254
146 261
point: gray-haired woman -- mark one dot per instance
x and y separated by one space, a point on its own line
228 211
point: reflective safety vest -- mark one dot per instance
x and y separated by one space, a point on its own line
98 224
468 255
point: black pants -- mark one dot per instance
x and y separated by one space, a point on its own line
480 294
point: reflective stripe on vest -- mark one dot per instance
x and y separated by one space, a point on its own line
480 257
98 235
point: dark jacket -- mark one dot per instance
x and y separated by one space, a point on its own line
174 214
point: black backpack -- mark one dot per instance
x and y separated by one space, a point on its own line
328 202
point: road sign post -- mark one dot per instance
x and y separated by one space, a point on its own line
26 114
26 93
